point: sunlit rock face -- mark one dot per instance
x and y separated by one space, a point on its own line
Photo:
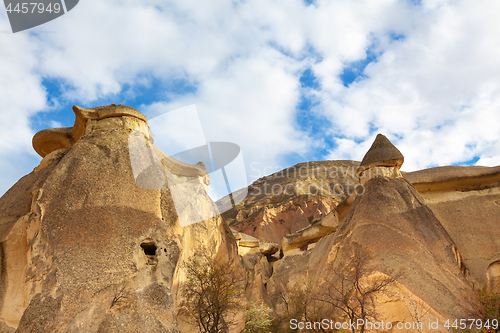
292 199
466 200
86 246
391 222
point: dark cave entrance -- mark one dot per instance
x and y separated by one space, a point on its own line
149 248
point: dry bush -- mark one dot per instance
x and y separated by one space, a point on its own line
351 289
417 308
258 319
484 306
213 292
300 303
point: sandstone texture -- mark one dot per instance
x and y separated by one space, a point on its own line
454 178
96 237
392 222
381 153
467 202
292 199
410 236
85 249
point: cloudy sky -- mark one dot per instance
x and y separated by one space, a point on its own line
287 80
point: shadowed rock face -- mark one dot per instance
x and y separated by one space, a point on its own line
84 249
466 200
473 223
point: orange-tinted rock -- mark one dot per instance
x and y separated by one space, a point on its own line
271 224
292 199
85 249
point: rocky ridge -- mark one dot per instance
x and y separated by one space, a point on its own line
292 199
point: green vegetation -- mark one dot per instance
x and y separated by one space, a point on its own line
258 319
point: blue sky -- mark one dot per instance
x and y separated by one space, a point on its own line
287 80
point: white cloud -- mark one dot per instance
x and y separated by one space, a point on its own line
21 96
435 92
251 103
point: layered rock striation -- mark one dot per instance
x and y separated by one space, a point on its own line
292 199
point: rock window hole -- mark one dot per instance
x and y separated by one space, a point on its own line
149 248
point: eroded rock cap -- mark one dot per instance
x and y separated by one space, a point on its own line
49 140
381 153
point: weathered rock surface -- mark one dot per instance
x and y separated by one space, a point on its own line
48 140
381 153
292 199
245 241
392 222
310 234
85 249
466 200
454 178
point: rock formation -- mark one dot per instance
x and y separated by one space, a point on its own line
381 159
84 248
466 200
94 239
310 234
392 222
292 199
405 239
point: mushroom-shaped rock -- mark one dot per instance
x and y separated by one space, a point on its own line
86 247
381 159
51 143
49 140
312 233
236 234
248 241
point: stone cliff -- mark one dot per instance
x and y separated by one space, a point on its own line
434 230
292 199
84 248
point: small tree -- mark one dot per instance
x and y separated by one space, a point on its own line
416 308
489 305
258 319
352 289
213 292
300 302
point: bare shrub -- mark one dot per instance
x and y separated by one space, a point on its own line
351 290
213 292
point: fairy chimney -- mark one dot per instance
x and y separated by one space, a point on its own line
382 159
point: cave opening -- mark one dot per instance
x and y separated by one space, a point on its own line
149 248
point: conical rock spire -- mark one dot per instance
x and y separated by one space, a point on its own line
382 153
